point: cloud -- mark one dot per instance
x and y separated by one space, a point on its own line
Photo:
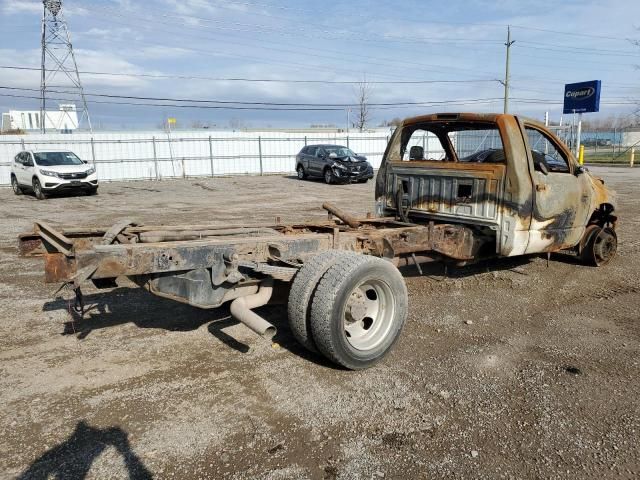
9 7
161 52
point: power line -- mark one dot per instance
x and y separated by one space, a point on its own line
586 35
576 50
271 108
260 80
378 61
232 102
296 30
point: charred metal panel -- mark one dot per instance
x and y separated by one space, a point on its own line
508 198
444 193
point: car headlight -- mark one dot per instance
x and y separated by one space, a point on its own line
49 173
338 165
91 171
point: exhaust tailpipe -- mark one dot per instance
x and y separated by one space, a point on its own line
241 309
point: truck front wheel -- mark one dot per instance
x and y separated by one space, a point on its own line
600 248
358 310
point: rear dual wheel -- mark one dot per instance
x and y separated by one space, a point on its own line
355 310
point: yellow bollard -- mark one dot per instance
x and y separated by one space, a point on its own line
633 157
581 155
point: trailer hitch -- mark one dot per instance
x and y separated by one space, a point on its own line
77 306
78 302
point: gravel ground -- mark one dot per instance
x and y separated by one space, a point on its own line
504 370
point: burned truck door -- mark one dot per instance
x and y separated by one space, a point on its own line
561 196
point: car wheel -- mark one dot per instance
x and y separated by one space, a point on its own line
301 173
328 176
301 295
358 310
601 247
15 185
37 190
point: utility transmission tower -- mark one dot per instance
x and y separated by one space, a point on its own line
506 73
59 70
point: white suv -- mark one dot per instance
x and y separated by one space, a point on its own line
52 171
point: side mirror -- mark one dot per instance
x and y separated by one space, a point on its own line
28 163
85 161
543 168
580 170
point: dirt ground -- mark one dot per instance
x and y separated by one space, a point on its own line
541 383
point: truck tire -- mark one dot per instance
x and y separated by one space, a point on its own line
301 295
600 247
358 310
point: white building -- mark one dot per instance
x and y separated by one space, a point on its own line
64 120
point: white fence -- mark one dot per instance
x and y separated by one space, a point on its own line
157 155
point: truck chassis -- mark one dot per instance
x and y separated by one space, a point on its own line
208 265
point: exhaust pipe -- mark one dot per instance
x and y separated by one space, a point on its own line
241 309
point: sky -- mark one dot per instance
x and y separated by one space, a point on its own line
454 52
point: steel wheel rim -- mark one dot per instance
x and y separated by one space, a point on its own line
604 248
368 315
327 176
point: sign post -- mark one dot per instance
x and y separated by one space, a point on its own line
581 98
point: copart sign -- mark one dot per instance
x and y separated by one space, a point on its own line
582 97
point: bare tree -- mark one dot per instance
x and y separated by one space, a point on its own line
363 98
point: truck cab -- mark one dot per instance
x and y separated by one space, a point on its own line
509 180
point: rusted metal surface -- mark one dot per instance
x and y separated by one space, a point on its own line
451 210
58 267
30 245
342 215
155 236
527 211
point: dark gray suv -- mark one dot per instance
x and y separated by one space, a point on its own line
334 163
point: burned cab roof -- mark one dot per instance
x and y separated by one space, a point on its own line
462 117
452 117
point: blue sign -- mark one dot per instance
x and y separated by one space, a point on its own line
582 97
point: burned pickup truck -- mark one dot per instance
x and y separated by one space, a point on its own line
451 187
